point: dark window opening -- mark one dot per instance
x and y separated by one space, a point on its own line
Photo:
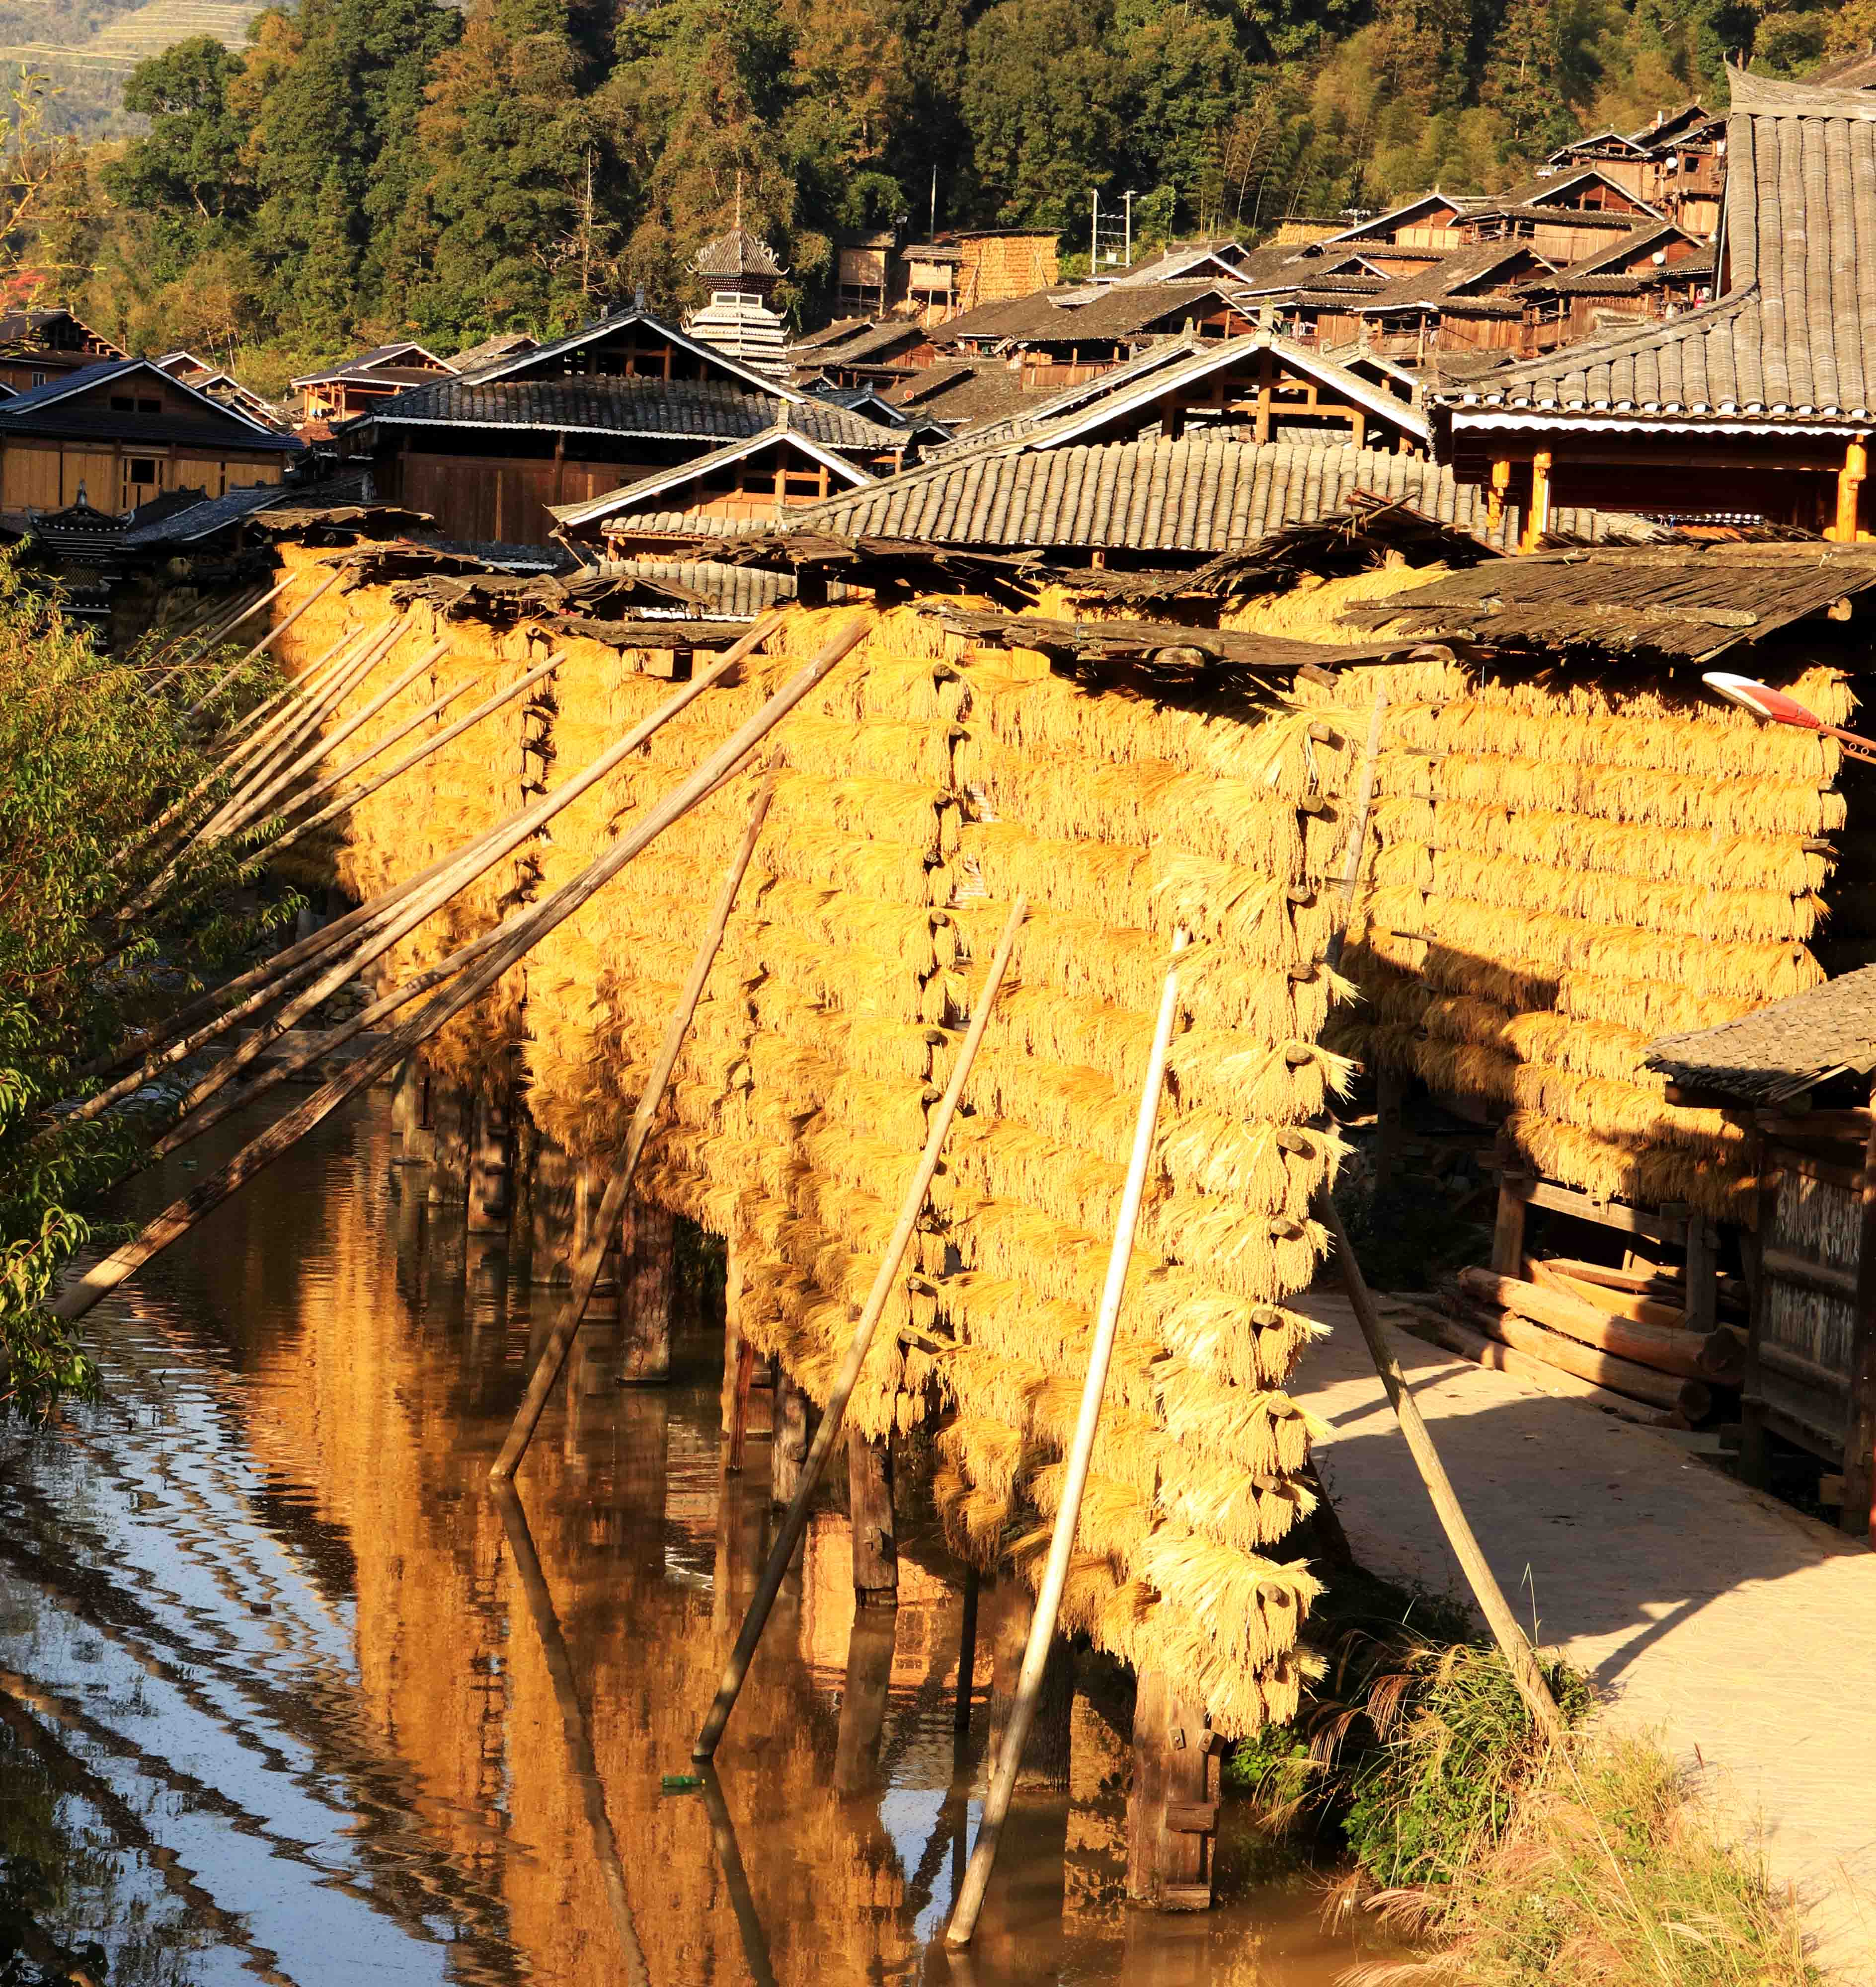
122 403
142 469
150 407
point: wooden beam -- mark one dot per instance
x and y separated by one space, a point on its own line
1616 1214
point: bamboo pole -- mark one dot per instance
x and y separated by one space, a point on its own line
287 969
340 774
612 1205
447 735
582 1762
269 709
255 809
795 1522
970 1901
266 642
1485 1589
176 808
521 932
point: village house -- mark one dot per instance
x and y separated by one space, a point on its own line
1754 408
119 433
340 393
37 346
493 458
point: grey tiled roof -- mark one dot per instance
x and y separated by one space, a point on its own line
1795 335
1199 495
1782 1049
683 410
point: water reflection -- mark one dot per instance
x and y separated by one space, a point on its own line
287 1695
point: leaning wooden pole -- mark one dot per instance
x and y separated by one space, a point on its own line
612 1204
795 1522
1088 1421
524 930
574 1729
1492 1604
205 701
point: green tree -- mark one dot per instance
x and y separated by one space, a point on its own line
1042 102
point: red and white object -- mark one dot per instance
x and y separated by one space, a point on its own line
1778 708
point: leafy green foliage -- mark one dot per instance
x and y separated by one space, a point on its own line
92 748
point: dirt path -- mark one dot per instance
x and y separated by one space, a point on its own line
1741 1632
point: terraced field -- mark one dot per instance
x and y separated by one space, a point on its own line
88 48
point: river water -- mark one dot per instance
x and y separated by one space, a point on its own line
285 1695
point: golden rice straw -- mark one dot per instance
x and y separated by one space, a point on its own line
885 1282
522 932
613 1206
1485 1589
1062 1542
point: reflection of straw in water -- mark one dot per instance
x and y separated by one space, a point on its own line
573 1723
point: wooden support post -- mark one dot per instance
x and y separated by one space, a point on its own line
732 1335
1390 1087
413 1097
647 1291
869 1506
794 1415
739 1404
1045 1760
1172 1804
551 1213
490 1148
450 1106
1703 1294
1754 1459
1495 495
589 1181
1538 521
863 1702
1508 1231
966 1652
1859 1510
1850 481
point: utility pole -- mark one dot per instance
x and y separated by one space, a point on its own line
931 233
1127 198
1094 234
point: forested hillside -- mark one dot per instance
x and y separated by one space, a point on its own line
371 168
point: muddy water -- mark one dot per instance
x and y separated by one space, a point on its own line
285 1695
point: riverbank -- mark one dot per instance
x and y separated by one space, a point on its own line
1727 1625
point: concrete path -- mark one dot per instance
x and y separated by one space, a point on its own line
1741 1633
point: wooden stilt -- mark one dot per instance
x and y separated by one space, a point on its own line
869 1507
648 1291
550 1243
1044 1767
451 1107
966 1652
589 1179
863 1702
732 1337
795 1522
1508 1231
490 1148
1390 1087
970 1901
793 1413
1172 1804
1858 1513
739 1403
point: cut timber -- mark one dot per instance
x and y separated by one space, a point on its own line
1675 1353
1451 1336
1655 1312
1569 1355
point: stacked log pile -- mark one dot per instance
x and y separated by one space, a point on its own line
1618 1338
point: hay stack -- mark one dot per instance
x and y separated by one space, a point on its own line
1565 870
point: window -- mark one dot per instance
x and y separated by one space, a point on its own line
122 403
150 407
38 378
143 470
